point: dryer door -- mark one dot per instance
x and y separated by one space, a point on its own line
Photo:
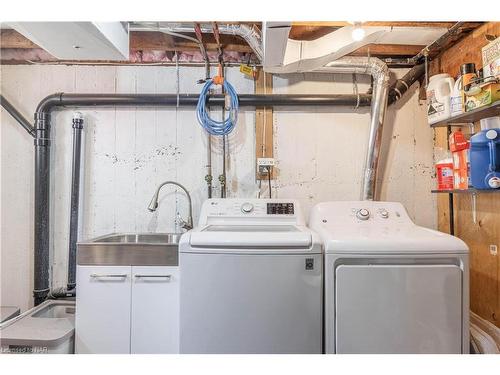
398 309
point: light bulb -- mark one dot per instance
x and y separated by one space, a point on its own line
358 33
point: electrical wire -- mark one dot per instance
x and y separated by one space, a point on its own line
215 127
269 180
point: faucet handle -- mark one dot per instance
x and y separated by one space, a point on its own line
184 224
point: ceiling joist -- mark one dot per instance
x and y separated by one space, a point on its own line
153 41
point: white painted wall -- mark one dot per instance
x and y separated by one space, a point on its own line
320 154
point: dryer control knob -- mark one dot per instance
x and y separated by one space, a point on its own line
384 214
246 208
363 214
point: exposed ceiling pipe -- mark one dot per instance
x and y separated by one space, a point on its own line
436 46
252 35
191 100
17 116
380 73
398 88
203 51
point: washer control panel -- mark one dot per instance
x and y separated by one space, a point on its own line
280 208
360 214
251 210
365 214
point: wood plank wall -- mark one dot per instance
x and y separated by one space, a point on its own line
484 266
264 124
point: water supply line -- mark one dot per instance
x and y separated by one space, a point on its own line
380 74
203 51
208 176
222 177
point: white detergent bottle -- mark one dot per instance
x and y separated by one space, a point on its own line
438 97
456 98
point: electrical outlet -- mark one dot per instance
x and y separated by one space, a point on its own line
264 163
493 249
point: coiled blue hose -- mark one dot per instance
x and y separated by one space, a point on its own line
214 127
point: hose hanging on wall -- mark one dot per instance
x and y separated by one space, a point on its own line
212 126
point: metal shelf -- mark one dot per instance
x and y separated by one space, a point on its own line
466 191
469 117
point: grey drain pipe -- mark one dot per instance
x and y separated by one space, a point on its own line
42 153
17 116
42 206
380 73
75 198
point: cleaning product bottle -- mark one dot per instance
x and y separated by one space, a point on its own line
444 174
459 147
444 169
438 97
485 159
456 102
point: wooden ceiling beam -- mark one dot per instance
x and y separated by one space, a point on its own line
152 40
375 23
310 32
314 30
146 40
10 38
385 50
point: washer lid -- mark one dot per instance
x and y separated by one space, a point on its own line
381 227
251 237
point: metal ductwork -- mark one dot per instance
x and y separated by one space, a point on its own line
380 73
251 34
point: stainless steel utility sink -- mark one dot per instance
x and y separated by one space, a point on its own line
134 249
145 238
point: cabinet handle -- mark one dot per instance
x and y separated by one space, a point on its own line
97 276
168 277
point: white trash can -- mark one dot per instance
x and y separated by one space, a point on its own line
45 329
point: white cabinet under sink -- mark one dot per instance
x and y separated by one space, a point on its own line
155 309
127 309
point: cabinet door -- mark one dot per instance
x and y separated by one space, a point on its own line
103 299
155 309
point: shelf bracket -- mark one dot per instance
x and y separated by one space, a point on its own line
474 206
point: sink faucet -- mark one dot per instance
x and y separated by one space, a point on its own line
154 204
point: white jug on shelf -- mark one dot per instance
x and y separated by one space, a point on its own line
438 97
456 100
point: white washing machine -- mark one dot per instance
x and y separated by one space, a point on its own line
391 286
250 280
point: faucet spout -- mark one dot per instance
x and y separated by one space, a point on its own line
153 205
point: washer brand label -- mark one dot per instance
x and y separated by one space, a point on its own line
309 263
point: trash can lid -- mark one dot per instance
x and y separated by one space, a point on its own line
8 312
